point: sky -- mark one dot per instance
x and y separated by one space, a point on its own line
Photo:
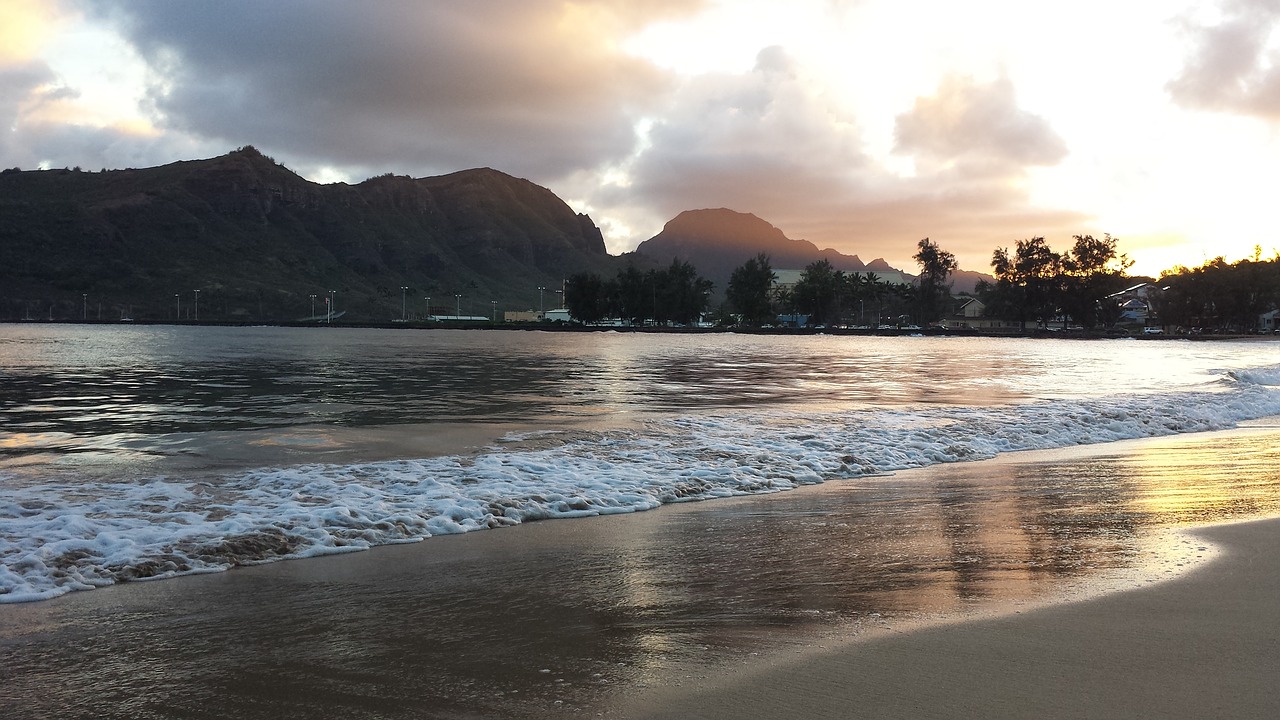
860 125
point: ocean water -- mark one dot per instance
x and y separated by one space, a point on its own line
131 453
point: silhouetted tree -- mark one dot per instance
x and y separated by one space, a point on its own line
748 293
680 294
934 294
1026 282
817 293
585 297
1091 271
631 296
1219 295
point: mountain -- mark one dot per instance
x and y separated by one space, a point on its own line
259 241
717 241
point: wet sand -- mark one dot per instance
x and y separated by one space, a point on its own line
820 602
1204 645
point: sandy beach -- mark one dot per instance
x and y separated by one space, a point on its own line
915 595
1204 645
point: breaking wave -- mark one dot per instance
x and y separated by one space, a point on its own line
57 538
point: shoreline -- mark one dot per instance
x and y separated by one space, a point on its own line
605 615
562 327
1203 644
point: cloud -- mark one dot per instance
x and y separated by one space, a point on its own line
977 124
21 85
1234 65
752 140
27 24
25 81
546 89
773 143
534 87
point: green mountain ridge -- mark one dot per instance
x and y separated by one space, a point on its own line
258 241
263 244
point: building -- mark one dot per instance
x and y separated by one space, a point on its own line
1135 303
970 312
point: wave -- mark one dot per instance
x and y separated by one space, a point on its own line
75 536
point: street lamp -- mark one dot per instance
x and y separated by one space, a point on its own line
313 305
403 316
457 313
84 312
197 306
178 297
332 300
428 299
493 316
540 289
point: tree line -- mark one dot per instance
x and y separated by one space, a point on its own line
1220 295
1032 283
676 294
1075 286
824 295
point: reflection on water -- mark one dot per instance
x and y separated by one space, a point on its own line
511 622
70 390
506 623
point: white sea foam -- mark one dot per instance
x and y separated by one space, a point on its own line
64 537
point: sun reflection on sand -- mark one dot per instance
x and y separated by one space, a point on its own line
1186 482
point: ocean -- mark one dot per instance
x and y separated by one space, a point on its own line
152 452
162 488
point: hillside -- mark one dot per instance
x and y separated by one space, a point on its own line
716 241
258 241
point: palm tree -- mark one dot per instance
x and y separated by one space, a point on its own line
877 289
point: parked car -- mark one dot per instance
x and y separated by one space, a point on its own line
1152 331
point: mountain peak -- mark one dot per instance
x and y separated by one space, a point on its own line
716 241
721 225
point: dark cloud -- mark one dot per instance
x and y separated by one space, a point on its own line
532 86
1231 67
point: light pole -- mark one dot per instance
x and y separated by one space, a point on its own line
457 312
493 316
313 305
403 316
428 299
84 312
178 297
332 300
540 310
197 306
